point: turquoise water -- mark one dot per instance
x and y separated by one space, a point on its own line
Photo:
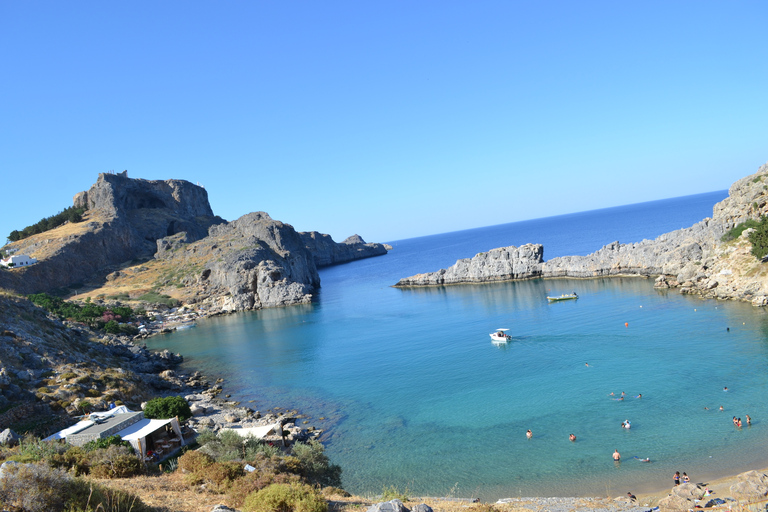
415 394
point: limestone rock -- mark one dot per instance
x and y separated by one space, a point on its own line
421 507
693 260
9 438
327 252
674 503
751 484
388 506
688 491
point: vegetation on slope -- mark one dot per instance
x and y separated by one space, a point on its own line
98 317
70 214
758 237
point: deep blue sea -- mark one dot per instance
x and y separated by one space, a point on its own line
414 394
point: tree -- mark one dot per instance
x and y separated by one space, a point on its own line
167 407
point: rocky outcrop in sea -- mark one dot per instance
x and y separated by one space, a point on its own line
693 259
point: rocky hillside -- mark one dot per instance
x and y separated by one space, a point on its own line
162 237
693 259
51 369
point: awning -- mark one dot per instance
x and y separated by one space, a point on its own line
141 429
137 433
257 432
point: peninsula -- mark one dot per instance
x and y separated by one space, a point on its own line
149 238
701 259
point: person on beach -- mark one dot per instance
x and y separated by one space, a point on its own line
749 420
529 434
572 437
631 496
616 455
676 478
686 479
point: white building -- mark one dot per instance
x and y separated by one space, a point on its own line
18 260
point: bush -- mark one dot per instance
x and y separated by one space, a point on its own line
87 496
34 487
759 239
105 443
294 497
737 230
315 466
256 481
168 407
115 462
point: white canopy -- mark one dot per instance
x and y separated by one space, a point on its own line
137 433
502 329
83 424
257 432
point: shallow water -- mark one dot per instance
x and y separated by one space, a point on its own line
415 394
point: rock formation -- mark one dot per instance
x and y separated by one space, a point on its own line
250 263
693 259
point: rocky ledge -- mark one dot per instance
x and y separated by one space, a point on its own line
693 259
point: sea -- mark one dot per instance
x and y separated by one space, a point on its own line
411 393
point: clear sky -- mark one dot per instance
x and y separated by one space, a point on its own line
391 119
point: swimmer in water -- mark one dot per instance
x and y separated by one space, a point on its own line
721 408
749 420
572 437
639 396
725 388
529 434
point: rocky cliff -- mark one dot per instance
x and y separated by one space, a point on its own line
250 263
693 259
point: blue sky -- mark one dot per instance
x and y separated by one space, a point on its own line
388 119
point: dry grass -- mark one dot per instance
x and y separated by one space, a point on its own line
52 240
168 492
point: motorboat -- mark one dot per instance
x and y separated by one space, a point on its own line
565 296
500 336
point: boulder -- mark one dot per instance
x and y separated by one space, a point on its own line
9 438
422 507
674 503
388 506
688 491
751 484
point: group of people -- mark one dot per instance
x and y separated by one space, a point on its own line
677 478
737 421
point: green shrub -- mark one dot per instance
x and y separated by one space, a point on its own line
315 466
393 493
737 230
34 488
115 462
112 327
68 375
104 443
759 239
293 497
255 481
193 464
168 407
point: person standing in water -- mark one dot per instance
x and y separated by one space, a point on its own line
616 455
572 437
676 478
529 434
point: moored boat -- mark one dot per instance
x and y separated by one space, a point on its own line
565 296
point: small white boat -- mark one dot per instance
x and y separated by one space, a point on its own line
565 296
500 336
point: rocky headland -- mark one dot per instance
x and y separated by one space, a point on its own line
695 260
142 236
